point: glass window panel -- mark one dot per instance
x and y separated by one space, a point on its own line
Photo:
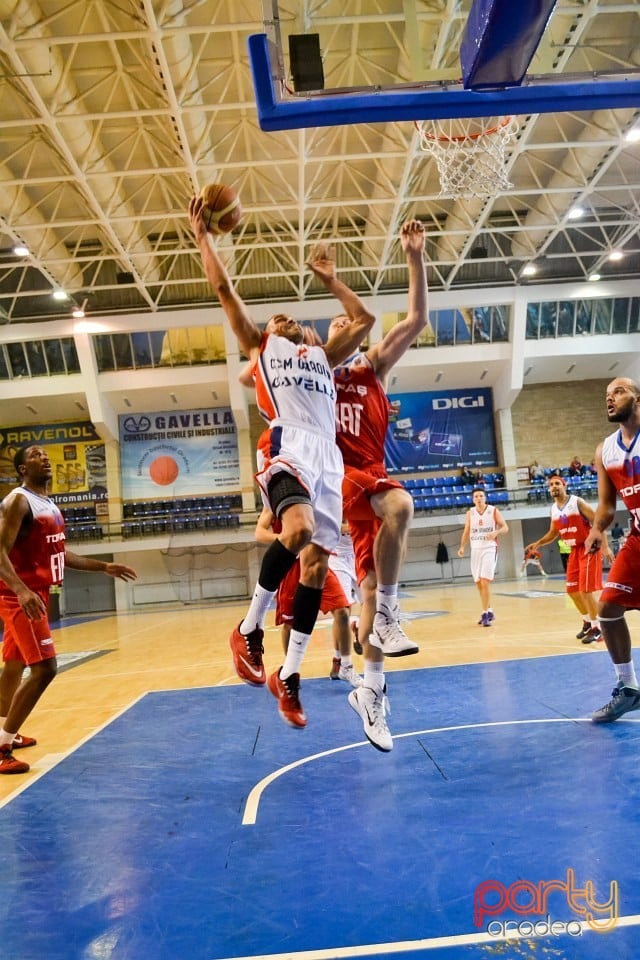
70 355
122 351
602 316
533 321
36 358
620 321
566 318
104 353
17 360
55 357
141 349
4 366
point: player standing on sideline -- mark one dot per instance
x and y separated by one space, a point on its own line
33 557
482 527
618 467
300 469
333 601
571 519
378 510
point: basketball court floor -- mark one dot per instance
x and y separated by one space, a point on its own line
170 813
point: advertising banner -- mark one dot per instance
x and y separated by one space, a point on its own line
77 456
178 453
441 430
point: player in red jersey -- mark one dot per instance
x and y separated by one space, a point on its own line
379 510
33 557
571 519
618 467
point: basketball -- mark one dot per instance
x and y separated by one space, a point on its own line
163 471
221 209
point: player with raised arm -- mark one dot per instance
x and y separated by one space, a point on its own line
378 509
300 469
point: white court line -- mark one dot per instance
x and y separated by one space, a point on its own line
435 943
51 760
253 800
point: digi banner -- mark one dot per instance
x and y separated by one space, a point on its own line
76 452
440 431
169 453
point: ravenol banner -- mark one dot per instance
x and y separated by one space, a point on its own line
185 453
76 452
440 431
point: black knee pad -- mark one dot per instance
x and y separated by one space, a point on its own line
283 490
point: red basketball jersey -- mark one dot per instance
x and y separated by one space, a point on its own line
569 522
38 553
623 466
362 413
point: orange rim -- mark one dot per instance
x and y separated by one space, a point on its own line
443 138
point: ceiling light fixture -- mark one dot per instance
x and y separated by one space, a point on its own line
594 277
77 313
616 255
60 295
30 408
529 270
572 367
633 135
575 213
528 371
439 376
126 402
21 251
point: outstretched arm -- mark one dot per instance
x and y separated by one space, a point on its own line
384 355
246 331
349 338
89 564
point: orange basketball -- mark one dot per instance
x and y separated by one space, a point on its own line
221 209
164 470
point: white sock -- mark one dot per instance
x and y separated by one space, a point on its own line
255 617
298 643
346 661
626 674
387 598
6 739
374 675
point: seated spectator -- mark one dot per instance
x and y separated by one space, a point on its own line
536 472
575 467
467 476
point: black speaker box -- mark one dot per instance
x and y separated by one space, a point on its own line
306 62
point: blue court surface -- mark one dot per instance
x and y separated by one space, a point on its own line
197 826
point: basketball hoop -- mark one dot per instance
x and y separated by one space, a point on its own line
470 153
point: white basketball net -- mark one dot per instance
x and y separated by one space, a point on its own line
470 153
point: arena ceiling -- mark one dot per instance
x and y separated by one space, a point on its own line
113 112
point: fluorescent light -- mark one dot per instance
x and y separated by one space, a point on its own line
21 251
60 295
529 270
594 277
575 213
616 255
633 135
77 313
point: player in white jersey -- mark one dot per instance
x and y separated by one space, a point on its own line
483 525
300 467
